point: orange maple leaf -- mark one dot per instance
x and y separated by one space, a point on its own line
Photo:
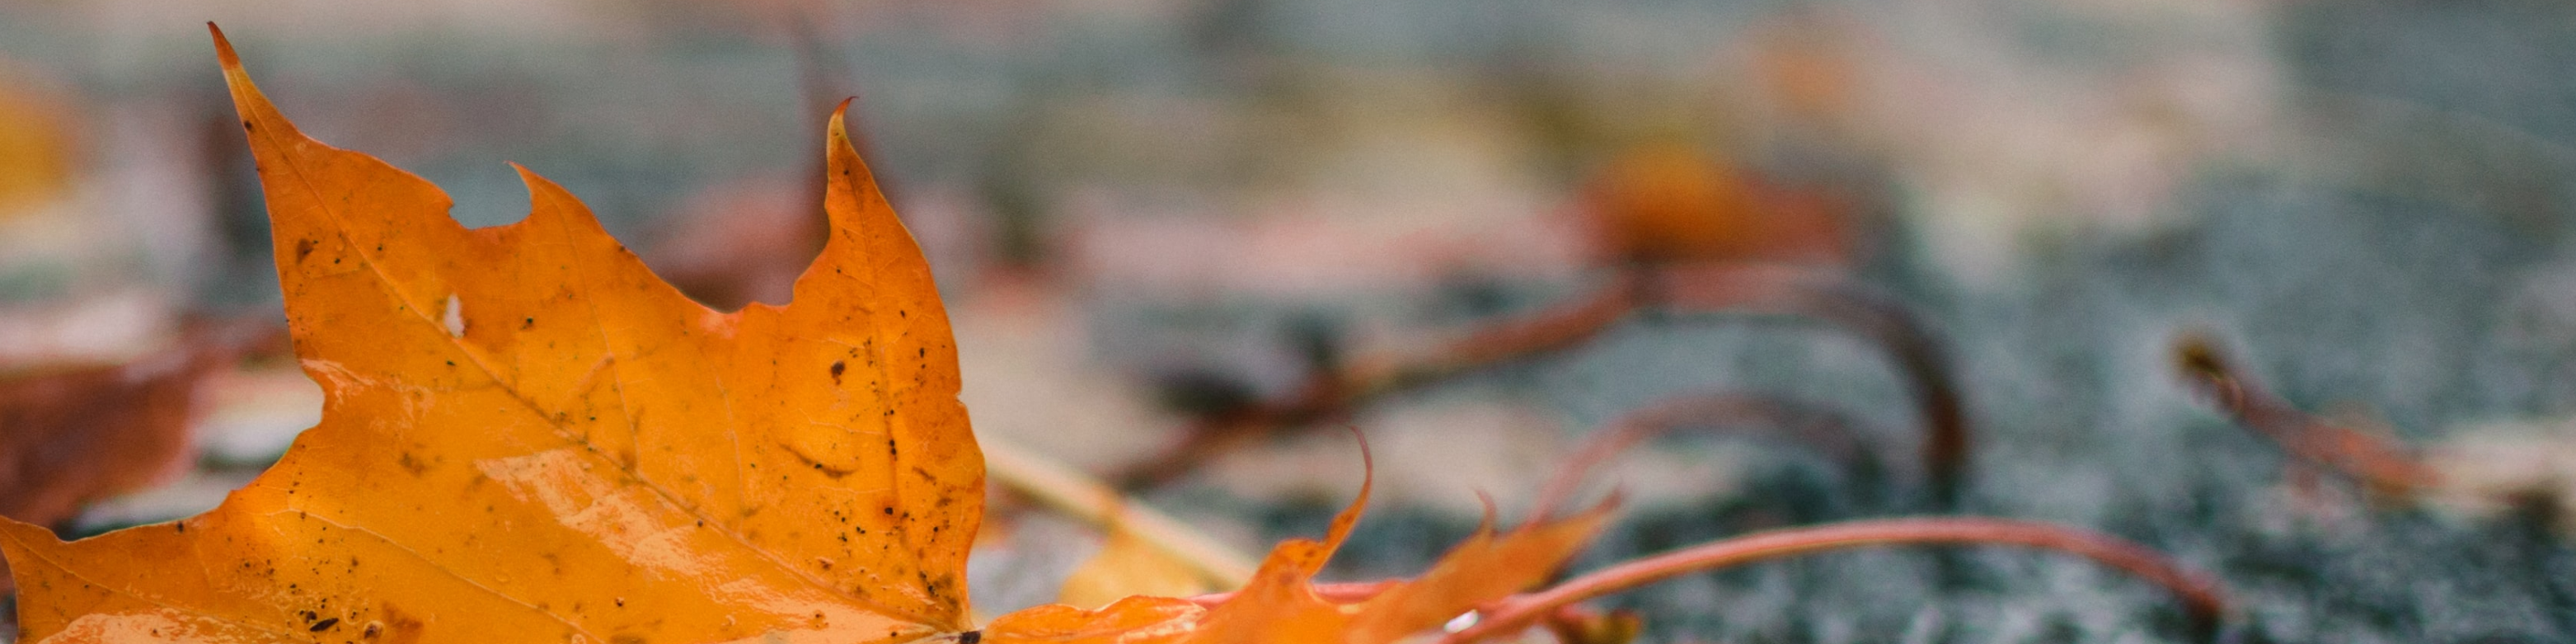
529 437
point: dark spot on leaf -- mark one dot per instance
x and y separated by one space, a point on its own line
303 247
837 367
324 625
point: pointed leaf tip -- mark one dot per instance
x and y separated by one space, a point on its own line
839 130
247 100
1342 523
223 48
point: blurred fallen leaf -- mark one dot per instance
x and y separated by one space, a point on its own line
1667 202
73 435
39 141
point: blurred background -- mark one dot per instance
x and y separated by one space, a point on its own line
1179 236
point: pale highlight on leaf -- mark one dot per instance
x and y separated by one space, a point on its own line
529 437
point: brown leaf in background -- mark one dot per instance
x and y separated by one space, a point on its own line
74 435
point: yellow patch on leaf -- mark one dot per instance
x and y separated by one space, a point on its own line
528 437
1128 565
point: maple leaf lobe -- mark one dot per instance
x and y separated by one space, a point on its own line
635 468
